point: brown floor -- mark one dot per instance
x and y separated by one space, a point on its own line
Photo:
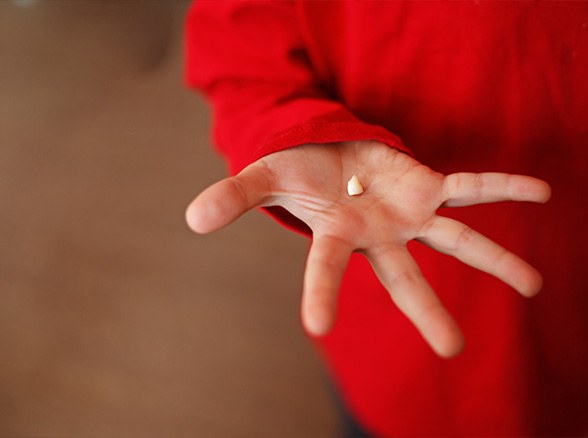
115 320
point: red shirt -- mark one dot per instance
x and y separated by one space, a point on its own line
467 86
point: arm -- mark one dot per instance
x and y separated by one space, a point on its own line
263 113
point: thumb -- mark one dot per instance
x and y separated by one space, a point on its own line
225 201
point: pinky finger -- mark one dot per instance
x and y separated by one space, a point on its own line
325 266
463 189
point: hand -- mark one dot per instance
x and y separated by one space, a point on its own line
399 204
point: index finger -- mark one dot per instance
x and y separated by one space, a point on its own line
325 266
225 201
463 189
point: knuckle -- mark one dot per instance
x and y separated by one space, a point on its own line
478 185
239 191
504 259
463 238
329 262
405 277
426 228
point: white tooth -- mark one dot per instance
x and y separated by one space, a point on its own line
354 187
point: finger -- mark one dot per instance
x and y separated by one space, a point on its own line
409 290
462 189
454 238
326 263
225 201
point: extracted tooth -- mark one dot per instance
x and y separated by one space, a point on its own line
354 187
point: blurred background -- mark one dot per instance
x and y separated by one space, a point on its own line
116 320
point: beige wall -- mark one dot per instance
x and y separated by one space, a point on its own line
115 320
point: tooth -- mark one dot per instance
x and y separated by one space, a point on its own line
354 187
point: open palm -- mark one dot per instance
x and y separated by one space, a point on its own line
399 204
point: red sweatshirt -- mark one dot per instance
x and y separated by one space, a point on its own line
467 86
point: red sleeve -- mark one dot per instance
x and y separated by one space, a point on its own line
249 59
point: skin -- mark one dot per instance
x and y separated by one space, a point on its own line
399 204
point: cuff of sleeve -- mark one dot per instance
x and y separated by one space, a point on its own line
333 127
